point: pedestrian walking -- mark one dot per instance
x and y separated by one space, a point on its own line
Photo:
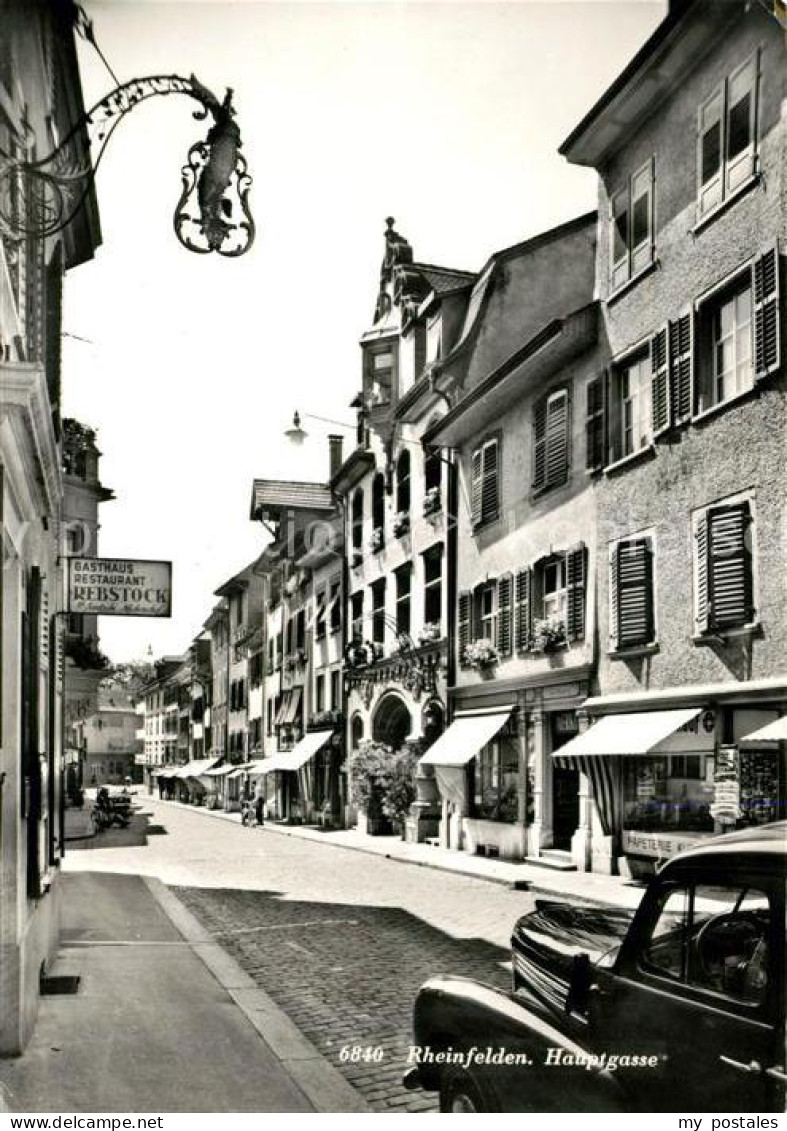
259 802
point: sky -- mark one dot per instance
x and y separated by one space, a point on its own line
445 115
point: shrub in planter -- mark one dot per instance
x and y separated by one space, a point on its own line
400 792
370 771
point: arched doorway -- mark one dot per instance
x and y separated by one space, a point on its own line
391 723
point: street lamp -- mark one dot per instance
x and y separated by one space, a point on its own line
41 197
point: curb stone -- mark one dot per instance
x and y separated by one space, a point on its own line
322 1084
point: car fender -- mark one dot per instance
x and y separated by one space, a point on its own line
512 1048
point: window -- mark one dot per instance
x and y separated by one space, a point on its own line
290 631
713 938
356 604
357 519
434 338
631 222
433 585
378 511
727 137
486 612
381 373
335 618
551 441
485 490
631 594
433 470
319 693
356 731
378 611
403 483
319 615
554 589
300 630
724 567
336 691
630 408
278 650
496 781
403 586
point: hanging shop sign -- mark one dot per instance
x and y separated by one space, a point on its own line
119 587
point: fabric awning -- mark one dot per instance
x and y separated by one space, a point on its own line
299 755
771 732
292 706
220 771
636 733
250 768
465 737
196 768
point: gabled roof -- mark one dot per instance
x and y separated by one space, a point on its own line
269 496
444 280
236 584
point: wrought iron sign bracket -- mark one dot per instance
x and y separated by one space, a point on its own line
41 197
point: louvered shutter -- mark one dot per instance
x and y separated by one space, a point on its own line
557 439
595 426
730 587
540 446
767 351
465 613
614 598
476 486
659 382
505 587
489 493
681 367
576 567
524 618
710 150
701 597
635 593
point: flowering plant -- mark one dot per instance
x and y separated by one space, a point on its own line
432 501
376 540
401 523
429 632
548 633
480 654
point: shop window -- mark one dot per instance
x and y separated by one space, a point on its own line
485 485
433 586
378 611
319 693
356 605
335 615
403 587
551 440
713 938
631 221
727 137
632 618
724 567
496 781
357 519
660 796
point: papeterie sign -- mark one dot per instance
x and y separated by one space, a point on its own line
119 587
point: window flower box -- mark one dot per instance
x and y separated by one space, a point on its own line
377 541
401 524
549 635
429 633
433 502
481 655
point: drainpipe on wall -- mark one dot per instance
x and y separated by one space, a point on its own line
451 571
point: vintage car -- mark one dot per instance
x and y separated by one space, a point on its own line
677 1006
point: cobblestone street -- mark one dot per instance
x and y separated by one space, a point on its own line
341 940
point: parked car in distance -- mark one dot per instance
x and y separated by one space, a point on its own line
677 1006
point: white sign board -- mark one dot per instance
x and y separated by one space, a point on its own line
119 587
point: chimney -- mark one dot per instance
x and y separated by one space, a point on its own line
335 454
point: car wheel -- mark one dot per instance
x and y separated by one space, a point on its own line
459 1094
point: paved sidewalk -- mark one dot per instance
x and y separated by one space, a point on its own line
587 886
164 1020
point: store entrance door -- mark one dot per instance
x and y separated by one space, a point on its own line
565 783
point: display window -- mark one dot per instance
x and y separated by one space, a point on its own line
495 787
668 793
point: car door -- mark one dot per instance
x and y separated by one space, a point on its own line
699 985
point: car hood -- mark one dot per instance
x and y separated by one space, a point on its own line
564 929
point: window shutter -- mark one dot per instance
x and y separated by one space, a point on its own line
659 381
702 601
614 597
465 613
730 588
557 439
505 610
635 593
476 488
540 445
681 367
710 149
489 492
619 238
741 108
767 351
595 427
576 559
524 614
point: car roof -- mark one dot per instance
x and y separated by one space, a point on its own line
768 843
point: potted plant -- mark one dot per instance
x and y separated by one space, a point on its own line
432 501
370 772
401 524
549 634
429 632
481 655
376 541
399 790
